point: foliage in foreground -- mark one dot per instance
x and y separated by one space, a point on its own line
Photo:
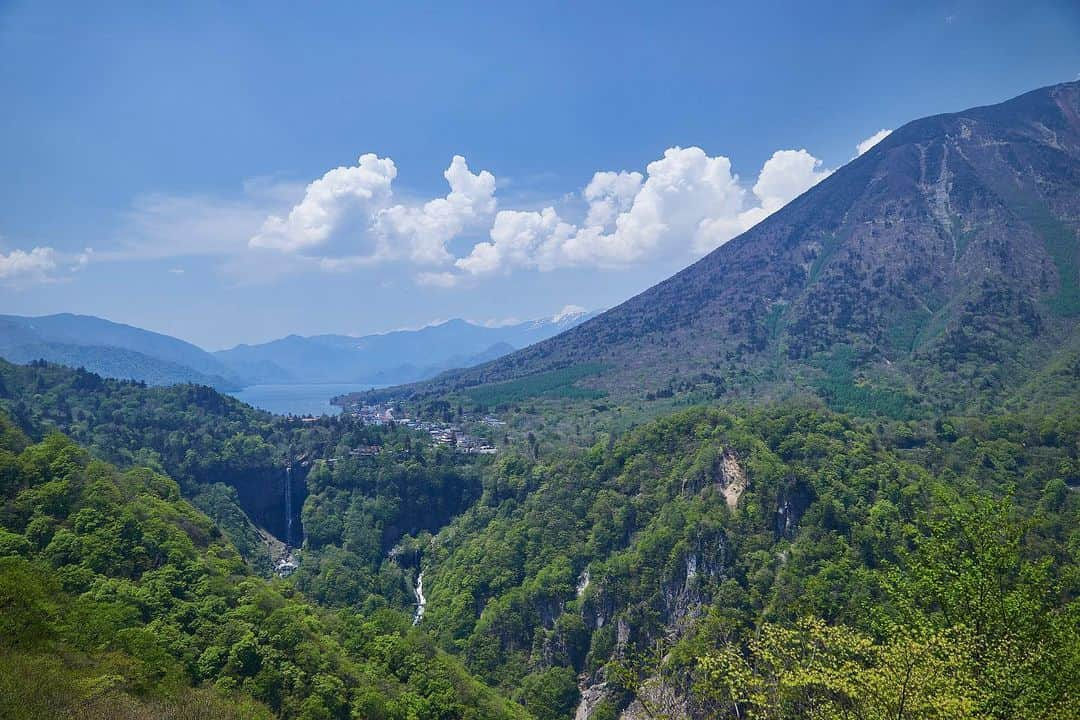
975 631
119 599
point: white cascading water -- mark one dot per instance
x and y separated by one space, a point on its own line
421 602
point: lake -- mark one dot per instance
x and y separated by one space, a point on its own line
299 399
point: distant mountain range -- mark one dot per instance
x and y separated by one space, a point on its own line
941 268
394 357
111 349
122 351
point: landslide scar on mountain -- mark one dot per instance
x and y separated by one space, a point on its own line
731 477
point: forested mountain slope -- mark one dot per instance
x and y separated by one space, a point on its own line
645 567
237 464
226 455
940 266
120 600
635 577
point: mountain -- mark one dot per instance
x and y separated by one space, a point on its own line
110 349
940 268
129 353
399 356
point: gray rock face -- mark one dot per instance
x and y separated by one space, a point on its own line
591 697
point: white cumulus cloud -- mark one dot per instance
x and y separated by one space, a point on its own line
682 193
421 232
327 204
610 194
351 206
39 265
784 176
686 203
519 239
871 141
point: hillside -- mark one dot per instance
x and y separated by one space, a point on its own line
238 465
121 600
937 270
666 571
653 564
393 357
110 349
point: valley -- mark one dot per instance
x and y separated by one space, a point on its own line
629 579
831 469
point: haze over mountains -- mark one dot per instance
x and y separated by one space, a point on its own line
111 349
943 261
126 352
393 357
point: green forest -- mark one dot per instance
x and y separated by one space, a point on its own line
785 561
121 600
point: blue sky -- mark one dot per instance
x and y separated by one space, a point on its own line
175 169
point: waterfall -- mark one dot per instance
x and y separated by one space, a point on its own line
288 505
583 582
421 602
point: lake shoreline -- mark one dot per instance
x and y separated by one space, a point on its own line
298 398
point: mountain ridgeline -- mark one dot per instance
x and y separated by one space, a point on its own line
129 353
393 357
111 349
939 269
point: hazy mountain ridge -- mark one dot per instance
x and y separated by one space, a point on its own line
944 257
398 356
110 349
130 353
